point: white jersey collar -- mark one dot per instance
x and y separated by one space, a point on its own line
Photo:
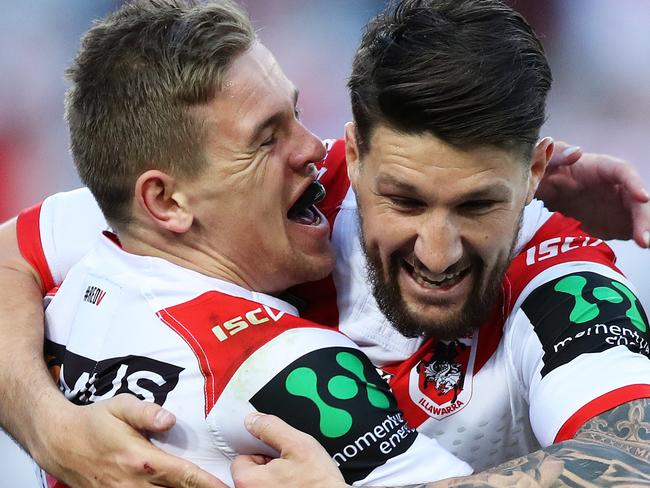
159 274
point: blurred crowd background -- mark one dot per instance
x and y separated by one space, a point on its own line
599 51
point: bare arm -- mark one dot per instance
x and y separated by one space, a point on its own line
93 446
612 449
605 193
21 342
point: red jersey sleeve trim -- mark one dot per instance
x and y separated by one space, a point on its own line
28 232
52 482
599 405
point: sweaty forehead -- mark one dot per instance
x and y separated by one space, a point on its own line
398 154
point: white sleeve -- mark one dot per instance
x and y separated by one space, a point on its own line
579 345
54 235
318 381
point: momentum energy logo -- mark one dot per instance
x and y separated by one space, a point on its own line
585 312
336 422
336 395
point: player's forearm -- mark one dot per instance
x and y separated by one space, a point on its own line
29 396
612 449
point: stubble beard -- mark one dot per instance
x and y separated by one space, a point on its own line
479 306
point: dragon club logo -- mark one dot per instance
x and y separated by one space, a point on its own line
444 375
441 382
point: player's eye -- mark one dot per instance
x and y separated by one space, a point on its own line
478 206
269 141
404 203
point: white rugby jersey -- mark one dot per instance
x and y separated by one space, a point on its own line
211 352
569 341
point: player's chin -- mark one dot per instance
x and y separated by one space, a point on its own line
322 262
444 322
432 305
299 265
313 260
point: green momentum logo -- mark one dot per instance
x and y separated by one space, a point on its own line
585 311
336 422
336 395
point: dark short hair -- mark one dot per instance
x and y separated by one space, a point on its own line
470 72
135 79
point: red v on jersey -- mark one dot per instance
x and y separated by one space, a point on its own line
437 381
223 330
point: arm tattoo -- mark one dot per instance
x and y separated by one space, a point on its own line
612 449
626 427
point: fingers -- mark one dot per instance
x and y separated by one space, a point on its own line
633 193
151 466
624 174
276 433
248 471
162 468
246 462
564 154
245 471
141 415
644 238
304 461
253 459
178 473
641 223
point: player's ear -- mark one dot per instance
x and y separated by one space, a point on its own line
540 158
162 200
352 153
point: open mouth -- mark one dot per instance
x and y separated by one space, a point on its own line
427 280
303 211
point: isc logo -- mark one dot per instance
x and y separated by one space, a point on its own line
553 247
258 316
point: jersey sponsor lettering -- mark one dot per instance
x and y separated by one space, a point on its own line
257 316
336 395
94 295
83 380
584 313
555 246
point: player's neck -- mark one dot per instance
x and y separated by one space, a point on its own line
183 251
